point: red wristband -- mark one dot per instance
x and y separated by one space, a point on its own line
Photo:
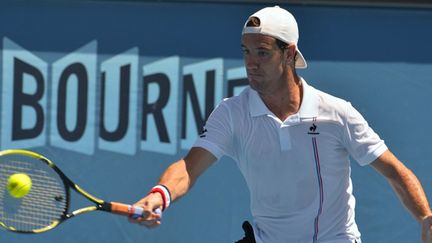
155 189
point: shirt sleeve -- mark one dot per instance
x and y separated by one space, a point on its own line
217 133
363 144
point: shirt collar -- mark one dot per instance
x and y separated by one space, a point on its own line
308 107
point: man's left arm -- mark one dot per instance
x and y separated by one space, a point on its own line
409 190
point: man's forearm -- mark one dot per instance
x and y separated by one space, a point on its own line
411 193
177 179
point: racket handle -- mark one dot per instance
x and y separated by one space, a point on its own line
129 210
139 211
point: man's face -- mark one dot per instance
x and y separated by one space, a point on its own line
265 62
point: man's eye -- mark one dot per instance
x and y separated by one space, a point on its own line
263 53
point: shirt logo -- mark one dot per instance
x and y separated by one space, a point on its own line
313 129
203 133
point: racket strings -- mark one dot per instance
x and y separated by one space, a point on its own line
42 206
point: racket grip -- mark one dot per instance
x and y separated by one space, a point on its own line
129 210
139 212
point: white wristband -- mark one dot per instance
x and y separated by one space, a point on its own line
166 193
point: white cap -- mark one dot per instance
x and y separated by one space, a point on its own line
280 24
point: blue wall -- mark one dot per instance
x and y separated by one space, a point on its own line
380 59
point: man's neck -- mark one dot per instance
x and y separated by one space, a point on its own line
286 100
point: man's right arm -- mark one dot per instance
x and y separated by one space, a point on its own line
181 175
178 178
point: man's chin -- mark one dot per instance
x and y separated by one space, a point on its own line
254 84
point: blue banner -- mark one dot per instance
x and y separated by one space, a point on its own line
113 92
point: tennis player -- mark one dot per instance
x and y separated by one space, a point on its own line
292 144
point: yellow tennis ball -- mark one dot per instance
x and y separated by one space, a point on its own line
19 185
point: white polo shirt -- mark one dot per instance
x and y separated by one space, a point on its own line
297 170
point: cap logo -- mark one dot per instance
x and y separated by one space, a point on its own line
253 22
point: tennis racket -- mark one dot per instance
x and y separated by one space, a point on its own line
47 203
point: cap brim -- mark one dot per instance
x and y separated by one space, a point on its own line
300 61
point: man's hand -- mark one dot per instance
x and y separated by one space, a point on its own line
150 203
427 229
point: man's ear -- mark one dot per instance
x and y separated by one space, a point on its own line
290 52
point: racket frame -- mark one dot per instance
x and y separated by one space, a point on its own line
113 207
